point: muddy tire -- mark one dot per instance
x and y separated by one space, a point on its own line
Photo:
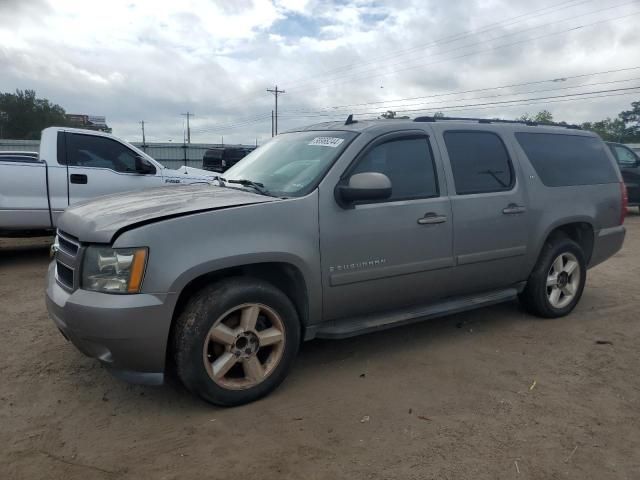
556 284
235 341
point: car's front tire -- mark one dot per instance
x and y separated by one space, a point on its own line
556 284
235 341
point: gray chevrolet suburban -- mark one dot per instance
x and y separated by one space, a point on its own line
330 231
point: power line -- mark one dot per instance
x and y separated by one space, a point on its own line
238 123
492 105
395 107
454 37
485 89
525 103
506 22
498 47
425 106
502 102
254 118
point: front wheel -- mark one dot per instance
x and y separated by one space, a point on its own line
557 281
235 341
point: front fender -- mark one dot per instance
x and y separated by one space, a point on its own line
184 248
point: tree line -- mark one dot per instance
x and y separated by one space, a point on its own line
23 116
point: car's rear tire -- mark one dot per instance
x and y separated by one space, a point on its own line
235 341
555 286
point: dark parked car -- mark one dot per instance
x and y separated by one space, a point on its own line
629 163
223 158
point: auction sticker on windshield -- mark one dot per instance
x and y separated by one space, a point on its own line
332 142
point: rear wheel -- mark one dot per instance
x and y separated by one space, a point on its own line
235 341
557 281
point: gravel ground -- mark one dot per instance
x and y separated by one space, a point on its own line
493 393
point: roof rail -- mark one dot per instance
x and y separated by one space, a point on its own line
498 120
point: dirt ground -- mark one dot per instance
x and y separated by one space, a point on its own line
493 393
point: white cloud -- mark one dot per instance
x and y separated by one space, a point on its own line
152 60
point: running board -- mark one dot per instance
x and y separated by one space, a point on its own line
351 327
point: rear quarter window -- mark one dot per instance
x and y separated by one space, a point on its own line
567 160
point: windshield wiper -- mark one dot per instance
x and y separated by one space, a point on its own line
257 186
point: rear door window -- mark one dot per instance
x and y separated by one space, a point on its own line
566 160
479 161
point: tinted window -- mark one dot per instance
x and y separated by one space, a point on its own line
563 160
479 161
624 156
99 152
409 165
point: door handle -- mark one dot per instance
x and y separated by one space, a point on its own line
513 209
431 218
78 178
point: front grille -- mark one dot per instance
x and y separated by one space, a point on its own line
67 244
64 274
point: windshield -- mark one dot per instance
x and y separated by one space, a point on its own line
290 164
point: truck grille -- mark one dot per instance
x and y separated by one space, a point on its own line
67 260
64 274
67 244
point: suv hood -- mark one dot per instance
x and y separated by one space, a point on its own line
101 219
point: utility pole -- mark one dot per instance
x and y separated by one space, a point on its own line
188 115
275 92
272 123
144 139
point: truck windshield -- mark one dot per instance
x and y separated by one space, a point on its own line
290 164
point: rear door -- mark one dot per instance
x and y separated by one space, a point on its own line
100 165
383 255
629 164
489 209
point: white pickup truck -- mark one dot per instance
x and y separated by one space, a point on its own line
73 166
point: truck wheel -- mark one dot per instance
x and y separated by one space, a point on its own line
557 281
235 341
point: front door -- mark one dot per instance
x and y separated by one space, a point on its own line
100 166
489 210
384 255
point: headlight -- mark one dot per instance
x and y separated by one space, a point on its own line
114 270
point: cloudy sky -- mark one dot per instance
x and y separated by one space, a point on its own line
152 60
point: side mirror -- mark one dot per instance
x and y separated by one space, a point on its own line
144 167
362 187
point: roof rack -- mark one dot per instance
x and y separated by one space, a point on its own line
498 120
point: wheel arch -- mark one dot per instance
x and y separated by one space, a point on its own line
580 230
284 275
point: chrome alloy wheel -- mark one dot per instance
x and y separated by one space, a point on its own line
244 346
563 280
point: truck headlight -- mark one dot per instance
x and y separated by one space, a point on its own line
113 270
